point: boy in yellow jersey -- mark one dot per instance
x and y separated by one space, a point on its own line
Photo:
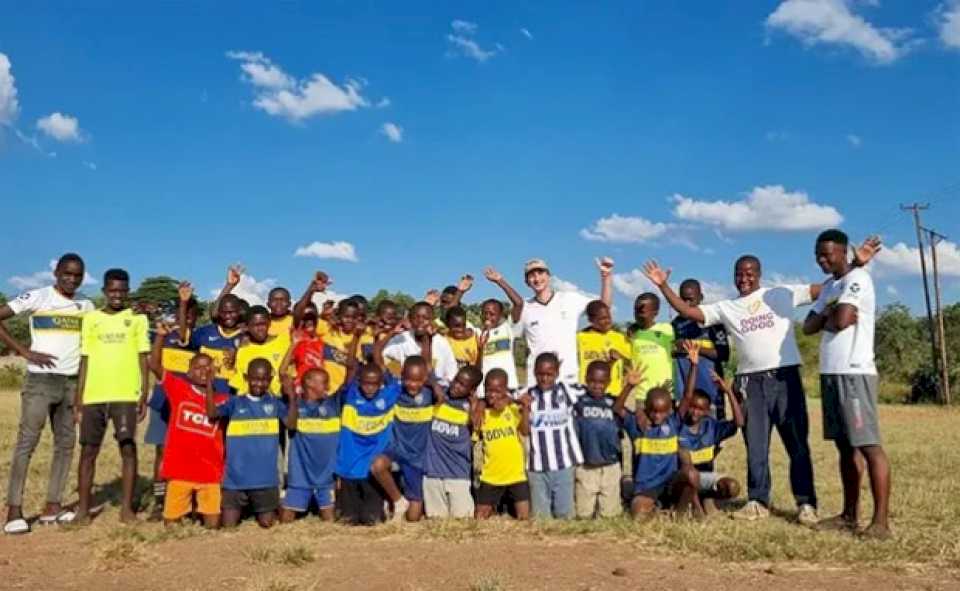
651 345
337 342
463 340
502 424
599 342
281 318
112 387
260 345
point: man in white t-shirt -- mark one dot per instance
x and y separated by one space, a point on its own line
760 322
549 319
53 360
845 312
410 342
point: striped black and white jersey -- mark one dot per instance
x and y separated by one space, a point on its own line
553 433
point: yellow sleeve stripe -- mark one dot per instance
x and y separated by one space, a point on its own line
253 427
645 445
452 415
318 426
365 425
406 414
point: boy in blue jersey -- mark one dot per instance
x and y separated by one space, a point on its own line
660 479
251 479
365 433
221 339
171 353
312 448
447 461
413 414
714 349
597 484
701 434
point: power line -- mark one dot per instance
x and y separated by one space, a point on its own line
916 208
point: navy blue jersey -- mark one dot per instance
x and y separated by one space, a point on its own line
598 430
414 413
655 452
702 444
253 441
448 445
710 337
210 339
313 445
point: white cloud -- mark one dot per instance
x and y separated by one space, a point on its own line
632 283
771 207
43 278
948 15
383 103
9 106
526 33
63 128
714 292
617 228
279 94
343 251
833 22
562 285
901 259
774 279
249 289
463 27
90 165
855 140
393 132
892 291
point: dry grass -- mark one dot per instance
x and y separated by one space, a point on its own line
923 444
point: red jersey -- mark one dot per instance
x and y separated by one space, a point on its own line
194 448
307 355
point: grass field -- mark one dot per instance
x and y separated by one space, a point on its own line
923 444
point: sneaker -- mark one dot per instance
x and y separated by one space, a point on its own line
400 510
808 516
752 511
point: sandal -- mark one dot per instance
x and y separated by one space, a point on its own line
16 527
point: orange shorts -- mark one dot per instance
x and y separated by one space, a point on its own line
179 499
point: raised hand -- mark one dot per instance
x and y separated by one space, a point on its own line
525 400
234 273
656 275
482 340
492 275
184 291
692 349
466 282
320 282
605 264
866 251
432 297
635 376
162 328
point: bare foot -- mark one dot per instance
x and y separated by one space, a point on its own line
875 531
82 518
838 523
51 510
127 516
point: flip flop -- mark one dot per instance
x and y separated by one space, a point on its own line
48 519
16 526
66 516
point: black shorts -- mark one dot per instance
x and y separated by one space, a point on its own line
360 502
94 419
258 500
490 494
662 494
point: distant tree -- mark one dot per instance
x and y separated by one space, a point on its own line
403 300
900 346
159 291
18 327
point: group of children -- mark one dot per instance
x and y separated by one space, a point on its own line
404 415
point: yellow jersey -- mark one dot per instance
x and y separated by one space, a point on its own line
273 350
503 455
652 351
464 350
280 326
336 347
593 346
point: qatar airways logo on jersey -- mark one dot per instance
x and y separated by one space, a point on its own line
193 418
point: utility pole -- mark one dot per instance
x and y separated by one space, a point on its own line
916 208
934 238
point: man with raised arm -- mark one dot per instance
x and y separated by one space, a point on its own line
760 321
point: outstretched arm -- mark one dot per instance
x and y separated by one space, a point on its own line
516 301
156 352
692 348
633 377
463 286
234 272
318 284
526 401
606 280
660 278
735 408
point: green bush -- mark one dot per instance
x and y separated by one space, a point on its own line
11 377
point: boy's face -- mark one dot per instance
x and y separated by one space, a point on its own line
746 277
699 408
348 319
496 392
258 379
414 377
200 370
116 292
601 320
598 380
492 315
538 280
546 373
316 384
691 295
370 381
645 312
69 277
448 298
462 385
457 325
831 257
658 406
258 328
309 325
420 318
279 303
229 314
389 317
191 317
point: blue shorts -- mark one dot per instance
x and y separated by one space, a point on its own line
298 499
156 429
411 477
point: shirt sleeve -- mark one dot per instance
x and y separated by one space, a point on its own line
801 294
821 304
28 301
630 425
86 336
238 381
712 314
143 334
855 285
225 409
622 346
726 430
446 369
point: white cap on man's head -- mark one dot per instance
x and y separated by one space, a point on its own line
535 265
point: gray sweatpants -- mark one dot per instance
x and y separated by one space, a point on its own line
44 395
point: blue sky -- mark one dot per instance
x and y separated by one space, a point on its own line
190 137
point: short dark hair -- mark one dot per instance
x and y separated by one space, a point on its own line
598 365
748 258
198 357
499 373
690 283
230 297
456 312
450 290
384 304
360 300
833 235
414 360
115 275
650 297
257 310
473 373
493 301
698 393
347 303
595 307
70 257
370 369
657 392
413 308
259 362
278 289
547 357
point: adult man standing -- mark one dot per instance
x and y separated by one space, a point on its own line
768 375
845 312
549 319
53 360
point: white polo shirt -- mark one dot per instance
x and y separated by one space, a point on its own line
849 351
54 327
405 345
761 325
553 327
